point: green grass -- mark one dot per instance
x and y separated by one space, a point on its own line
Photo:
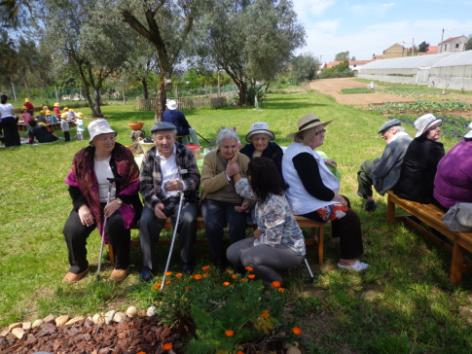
411 307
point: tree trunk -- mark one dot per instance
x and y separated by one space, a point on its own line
97 112
161 97
242 93
13 91
145 88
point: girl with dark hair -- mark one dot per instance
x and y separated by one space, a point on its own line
278 243
8 122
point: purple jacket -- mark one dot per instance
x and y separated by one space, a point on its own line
453 182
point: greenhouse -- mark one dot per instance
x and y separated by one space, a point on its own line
444 70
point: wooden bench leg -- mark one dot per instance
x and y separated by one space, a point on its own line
321 245
111 255
457 264
390 211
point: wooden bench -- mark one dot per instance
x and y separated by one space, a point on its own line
427 217
314 237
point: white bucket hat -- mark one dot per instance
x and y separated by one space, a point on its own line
425 123
468 135
171 104
99 126
259 128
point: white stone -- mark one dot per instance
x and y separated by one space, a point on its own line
109 316
18 332
131 311
151 311
98 319
119 317
74 320
37 323
293 350
14 325
4 332
27 326
48 318
61 320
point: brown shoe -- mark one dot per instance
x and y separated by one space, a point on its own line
119 275
73 277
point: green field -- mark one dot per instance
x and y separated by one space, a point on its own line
402 304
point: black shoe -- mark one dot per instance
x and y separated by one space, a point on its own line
370 206
146 275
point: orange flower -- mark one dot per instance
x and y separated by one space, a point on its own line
141 352
251 276
243 280
205 275
179 275
265 314
168 282
276 284
206 268
197 276
168 274
167 346
226 283
249 269
229 333
240 352
234 276
297 331
156 286
281 290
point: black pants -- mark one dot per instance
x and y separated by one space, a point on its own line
76 235
10 131
348 229
150 228
364 179
67 136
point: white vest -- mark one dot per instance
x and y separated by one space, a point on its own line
300 200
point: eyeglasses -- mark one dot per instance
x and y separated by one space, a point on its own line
320 132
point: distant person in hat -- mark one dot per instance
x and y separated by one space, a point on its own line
168 169
8 123
453 181
103 183
421 161
383 172
261 144
40 133
176 117
313 191
28 105
57 111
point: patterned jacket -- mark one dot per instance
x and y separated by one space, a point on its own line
151 176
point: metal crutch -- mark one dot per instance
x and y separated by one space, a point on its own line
312 276
176 226
110 185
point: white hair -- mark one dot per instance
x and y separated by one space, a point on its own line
226 133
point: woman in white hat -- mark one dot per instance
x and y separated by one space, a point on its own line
313 191
453 185
103 183
421 161
261 144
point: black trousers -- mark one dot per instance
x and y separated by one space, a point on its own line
348 229
67 136
76 234
364 179
10 131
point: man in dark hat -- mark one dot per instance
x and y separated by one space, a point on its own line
383 173
168 169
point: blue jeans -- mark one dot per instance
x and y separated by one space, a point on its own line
216 215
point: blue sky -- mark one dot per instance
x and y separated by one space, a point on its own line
367 27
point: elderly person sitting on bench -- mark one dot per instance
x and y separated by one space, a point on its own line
383 172
168 169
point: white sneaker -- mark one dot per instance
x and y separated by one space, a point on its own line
357 266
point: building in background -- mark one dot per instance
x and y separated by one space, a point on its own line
453 44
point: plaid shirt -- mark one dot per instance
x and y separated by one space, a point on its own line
150 177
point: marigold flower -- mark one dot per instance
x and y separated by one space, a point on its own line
240 352
168 274
141 352
229 333
168 282
265 314
197 276
179 275
167 346
281 290
206 268
249 269
276 284
243 280
156 286
234 276
205 275
226 283
297 331
251 276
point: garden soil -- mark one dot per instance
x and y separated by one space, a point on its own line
131 336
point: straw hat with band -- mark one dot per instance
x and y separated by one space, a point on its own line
308 122
98 127
259 128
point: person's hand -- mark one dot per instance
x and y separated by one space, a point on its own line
158 211
111 207
331 163
244 207
340 199
257 233
232 167
174 185
85 216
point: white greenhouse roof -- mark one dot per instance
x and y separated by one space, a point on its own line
422 61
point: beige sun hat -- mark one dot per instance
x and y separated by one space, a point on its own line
97 127
308 122
426 122
468 135
260 128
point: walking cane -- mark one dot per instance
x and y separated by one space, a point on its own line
312 276
173 240
110 185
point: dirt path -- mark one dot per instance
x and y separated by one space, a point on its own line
332 87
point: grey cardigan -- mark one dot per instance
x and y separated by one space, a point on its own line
386 170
